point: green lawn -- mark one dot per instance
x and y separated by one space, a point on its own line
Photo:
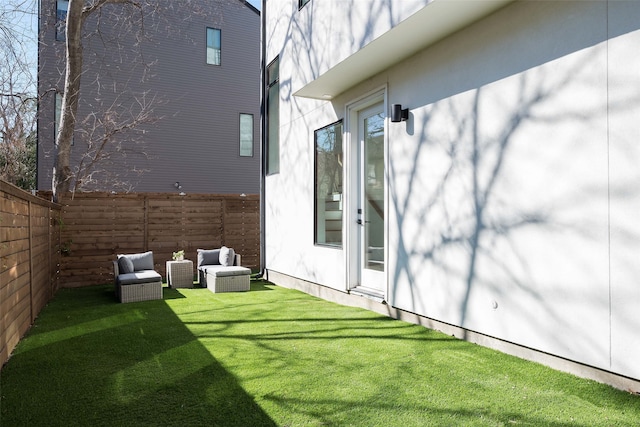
275 357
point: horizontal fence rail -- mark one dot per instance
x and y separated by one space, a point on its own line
29 261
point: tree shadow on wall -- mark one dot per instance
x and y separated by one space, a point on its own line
470 208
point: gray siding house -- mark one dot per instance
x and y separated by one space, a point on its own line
187 77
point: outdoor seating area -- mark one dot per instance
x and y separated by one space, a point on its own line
220 270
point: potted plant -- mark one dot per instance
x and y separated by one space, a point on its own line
178 256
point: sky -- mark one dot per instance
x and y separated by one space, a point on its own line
22 38
26 24
255 3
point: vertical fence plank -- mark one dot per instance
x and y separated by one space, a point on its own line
146 224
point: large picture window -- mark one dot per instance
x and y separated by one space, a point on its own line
328 185
273 117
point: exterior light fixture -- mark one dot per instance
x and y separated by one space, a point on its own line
398 114
177 185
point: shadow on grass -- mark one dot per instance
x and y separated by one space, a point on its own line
171 293
274 358
259 285
145 368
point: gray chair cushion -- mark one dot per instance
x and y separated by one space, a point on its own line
222 271
227 256
143 276
125 265
142 261
208 257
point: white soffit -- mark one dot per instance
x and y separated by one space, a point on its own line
431 23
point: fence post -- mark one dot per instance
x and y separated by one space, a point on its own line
49 257
223 232
146 222
30 225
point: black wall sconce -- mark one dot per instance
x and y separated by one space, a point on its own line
398 114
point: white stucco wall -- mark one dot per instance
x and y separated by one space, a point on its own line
624 187
514 186
308 42
504 220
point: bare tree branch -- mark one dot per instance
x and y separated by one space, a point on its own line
17 95
114 41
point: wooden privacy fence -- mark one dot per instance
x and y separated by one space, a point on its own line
98 226
29 261
45 245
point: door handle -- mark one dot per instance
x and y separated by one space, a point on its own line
362 222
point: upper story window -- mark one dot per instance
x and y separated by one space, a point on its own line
57 116
273 117
246 135
213 46
301 3
62 6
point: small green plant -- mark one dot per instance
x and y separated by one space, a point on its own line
178 256
65 248
59 222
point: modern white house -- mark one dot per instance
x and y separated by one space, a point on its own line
472 165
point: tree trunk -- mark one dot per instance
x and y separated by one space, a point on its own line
61 170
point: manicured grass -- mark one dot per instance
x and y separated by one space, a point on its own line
275 357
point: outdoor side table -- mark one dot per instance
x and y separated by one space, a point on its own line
180 274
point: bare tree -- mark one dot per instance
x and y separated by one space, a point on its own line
101 131
109 121
104 41
17 94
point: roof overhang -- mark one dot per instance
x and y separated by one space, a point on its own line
433 22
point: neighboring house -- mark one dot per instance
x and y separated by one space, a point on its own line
504 208
190 72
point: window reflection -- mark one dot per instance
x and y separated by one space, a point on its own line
328 185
